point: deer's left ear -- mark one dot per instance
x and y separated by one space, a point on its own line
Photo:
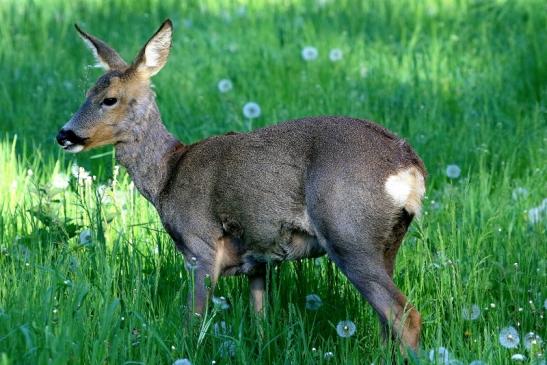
153 56
105 55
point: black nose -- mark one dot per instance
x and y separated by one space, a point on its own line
69 136
61 137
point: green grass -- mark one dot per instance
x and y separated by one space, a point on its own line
464 81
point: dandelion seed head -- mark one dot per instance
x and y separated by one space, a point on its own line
519 193
192 264
221 303
440 355
518 357
335 54
309 53
477 362
471 313
225 85
182 362
251 110
313 302
535 214
453 171
60 181
228 349
345 328
85 237
509 337
221 329
532 340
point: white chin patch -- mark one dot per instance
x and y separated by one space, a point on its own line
73 148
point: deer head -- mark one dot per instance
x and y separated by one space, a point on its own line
115 105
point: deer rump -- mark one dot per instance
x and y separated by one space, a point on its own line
294 190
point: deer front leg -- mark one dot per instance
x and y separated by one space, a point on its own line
198 297
257 284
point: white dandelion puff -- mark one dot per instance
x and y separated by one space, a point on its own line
192 264
313 302
519 193
440 355
335 54
221 303
85 237
182 362
60 181
309 53
471 312
251 110
509 337
228 349
453 171
345 328
535 214
225 85
532 340
518 357
221 329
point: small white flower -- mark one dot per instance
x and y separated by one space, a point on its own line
345 328
532 340
29 172
60 181
309 53
518 357
85 237
453 171
471 312
182 362
439 355
328 355
221 303
67 282
313 302
509 337
519 193
251 110
225 85
335 54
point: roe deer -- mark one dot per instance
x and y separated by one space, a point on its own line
232 203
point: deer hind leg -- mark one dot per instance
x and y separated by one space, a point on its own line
375 284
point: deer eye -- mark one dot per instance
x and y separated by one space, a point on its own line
109 101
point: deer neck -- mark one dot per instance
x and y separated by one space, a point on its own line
149 153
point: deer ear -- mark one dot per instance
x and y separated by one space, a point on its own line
153 56
105 55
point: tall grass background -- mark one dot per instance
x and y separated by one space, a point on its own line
87 275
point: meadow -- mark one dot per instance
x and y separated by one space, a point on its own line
87 274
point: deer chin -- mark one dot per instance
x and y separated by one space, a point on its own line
72 147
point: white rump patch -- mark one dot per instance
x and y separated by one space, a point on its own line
407 189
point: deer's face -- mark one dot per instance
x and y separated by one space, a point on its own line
119 97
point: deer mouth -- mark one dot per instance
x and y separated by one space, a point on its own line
70 141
